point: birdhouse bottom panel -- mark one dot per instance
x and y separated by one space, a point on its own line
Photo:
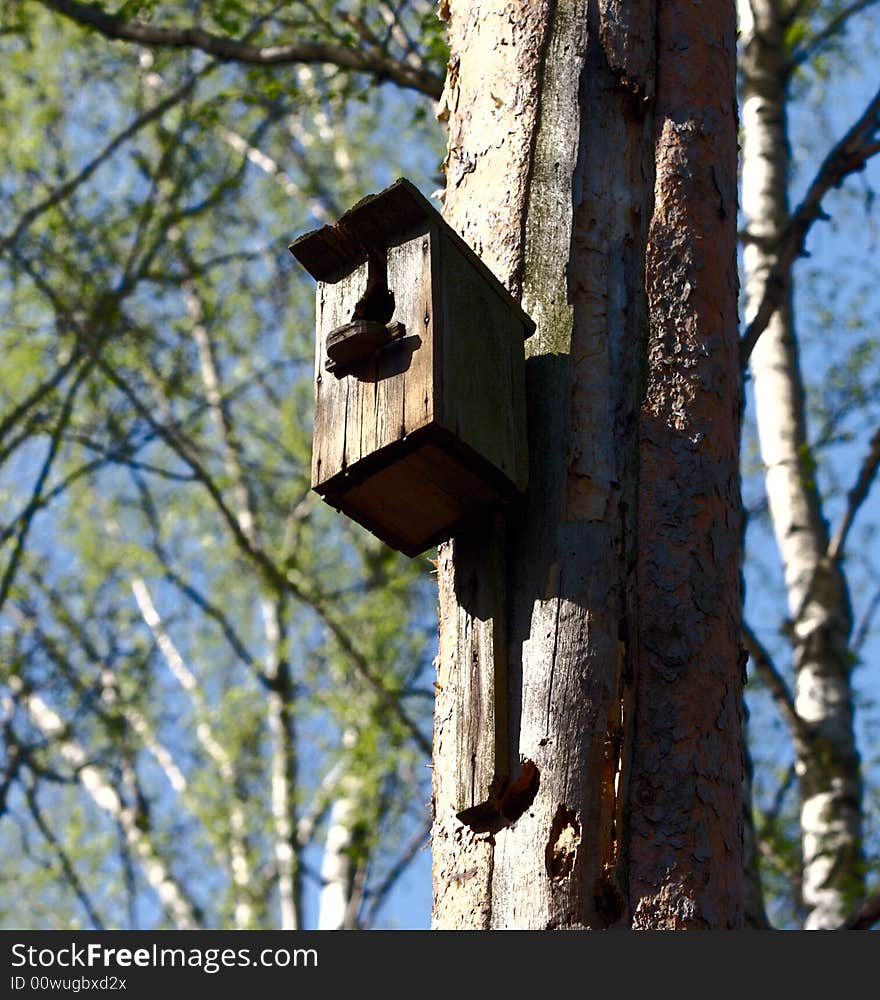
417 499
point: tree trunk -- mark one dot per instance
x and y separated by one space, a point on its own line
338 867
344 853
826 759
754 910
587 743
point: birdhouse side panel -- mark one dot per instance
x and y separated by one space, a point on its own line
483 365
335 305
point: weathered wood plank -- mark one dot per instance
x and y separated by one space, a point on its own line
479 720
334 306
483 366
409 275
410 497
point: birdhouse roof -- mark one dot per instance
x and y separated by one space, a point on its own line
368 226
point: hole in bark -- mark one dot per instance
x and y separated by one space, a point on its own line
561 850
609 900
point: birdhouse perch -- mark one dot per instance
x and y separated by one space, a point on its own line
419 372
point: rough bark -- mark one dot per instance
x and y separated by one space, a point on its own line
827 761
554 119
686 851
491 102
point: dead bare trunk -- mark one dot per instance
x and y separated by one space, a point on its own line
826 759
587 744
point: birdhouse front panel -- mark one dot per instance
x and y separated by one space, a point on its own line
389 394
419 372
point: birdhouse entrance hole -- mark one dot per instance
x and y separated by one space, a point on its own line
369 329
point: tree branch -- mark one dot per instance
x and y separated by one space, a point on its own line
67 866
212 611
864 917
848 156
276 578
419 842
26 518
856 497
20 410
831 29
771 815
105 796
773 679
863 628
111 712
66 189
372 59
15 756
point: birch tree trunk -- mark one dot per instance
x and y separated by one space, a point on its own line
587 741
338 901
826 758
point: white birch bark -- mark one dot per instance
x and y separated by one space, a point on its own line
827 762
238 866
172 897
282 766
339 867
144 729
282 772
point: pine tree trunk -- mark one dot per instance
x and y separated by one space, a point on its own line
827 762
587 745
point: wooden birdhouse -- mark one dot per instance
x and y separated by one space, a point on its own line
419 372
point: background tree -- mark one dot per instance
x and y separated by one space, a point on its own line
785 48
216 693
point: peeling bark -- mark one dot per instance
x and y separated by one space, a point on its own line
550 177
